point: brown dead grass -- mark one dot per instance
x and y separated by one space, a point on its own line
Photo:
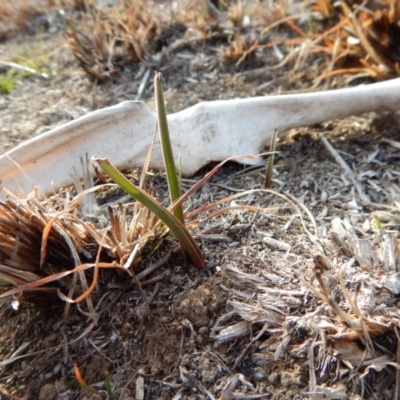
21 15
352 40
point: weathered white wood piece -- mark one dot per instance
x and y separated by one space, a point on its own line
209 131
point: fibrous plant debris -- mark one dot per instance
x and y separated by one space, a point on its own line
344 38
17 15
50 242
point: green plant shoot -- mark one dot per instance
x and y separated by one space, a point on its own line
169 219
169 162
8 80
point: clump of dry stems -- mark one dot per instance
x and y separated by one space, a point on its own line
347 38
47 244
15 16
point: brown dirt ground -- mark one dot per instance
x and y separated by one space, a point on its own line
247 326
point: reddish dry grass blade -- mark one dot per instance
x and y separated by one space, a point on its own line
81 382
208 176
48 227
54 277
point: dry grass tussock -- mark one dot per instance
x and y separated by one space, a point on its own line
16 16
345 39
54 247
32 16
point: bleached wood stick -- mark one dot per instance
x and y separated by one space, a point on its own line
210 131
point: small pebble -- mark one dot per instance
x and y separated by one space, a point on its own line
48 375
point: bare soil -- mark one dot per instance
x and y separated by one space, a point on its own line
248 326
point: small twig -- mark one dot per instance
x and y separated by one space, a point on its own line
20 67
397 389
348 171
247 348
311 369
156 279
270 165
337 157
143 84
156 265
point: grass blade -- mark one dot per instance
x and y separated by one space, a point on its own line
54 277
81 382
107 382
270 166
169 219
208 176
172 178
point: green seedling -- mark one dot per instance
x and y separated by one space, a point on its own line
174 218
81 382
166 215
169 219
310 24
107 382
378 223
19 69
87 388
8 81
169 162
